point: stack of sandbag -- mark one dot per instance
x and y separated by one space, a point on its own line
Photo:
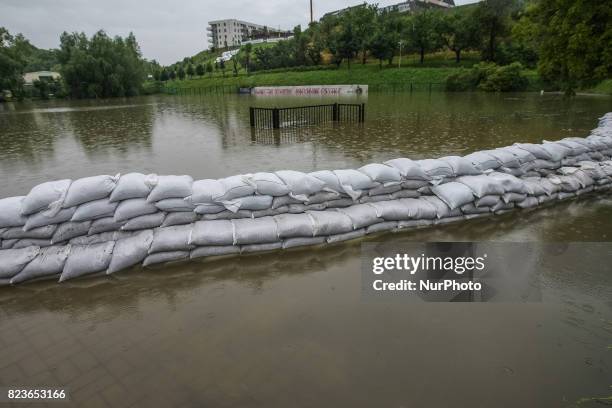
108 223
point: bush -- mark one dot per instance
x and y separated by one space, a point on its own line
488 77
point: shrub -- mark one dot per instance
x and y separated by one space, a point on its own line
488 77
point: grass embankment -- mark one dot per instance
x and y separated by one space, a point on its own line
604 87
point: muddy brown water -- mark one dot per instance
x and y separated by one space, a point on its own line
291 328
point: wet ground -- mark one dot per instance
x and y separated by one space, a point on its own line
292 328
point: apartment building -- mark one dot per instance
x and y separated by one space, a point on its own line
232 33
403 7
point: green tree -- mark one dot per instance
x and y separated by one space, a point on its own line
181 73
493 17
363 18
11 62
209 68
575 41
190 71
172 74
422 32
246 56
459 31
164 75
200 70
222 67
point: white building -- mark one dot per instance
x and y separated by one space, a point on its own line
30 77
232 33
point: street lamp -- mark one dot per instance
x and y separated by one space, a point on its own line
399 63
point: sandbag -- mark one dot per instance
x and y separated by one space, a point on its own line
133 185
68 230
330 222
436 168
483 161
384 190
10 212
40 219
47 196
461 166
170 239
89 189
270 246
285 201
45 232
414 184
442 209
252 203
410 224
164 257
302 241
175 205
482 185
205 251
179 218
487 201
130 251
353 182
94 209
268 184
381 173
535 150
214 232
300 184
361 215
329 179
94 239
510 183
255 231
206 191
294 225
556 151
513 197
505 158
346 236
133 208
454 194
144 222
209 208
382 227
528 202
409 169
105 224
170 187
322 197
12 261
50 261
235 187
88 259
28 242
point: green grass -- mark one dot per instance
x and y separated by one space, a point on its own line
604 87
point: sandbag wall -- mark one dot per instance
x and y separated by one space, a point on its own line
109 223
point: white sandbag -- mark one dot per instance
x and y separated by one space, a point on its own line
228 215
487 201
405 194
130 251
300 185
382 227
409 169
45 232
40 219
268 184
133 208
235 187
354 182
87 259
540 164
340 203
10 212
513 197
144 222
502 206
165 257
45 197
179 218
411 224
50 261
169 239
330 222
522 155
252 203
461 166
28 242
283 201
271 246
346 236
517 172
384 190
436 168
442 209
505 158
12 261
483 161
94 209
294 225
205 251
449 220
482 185
8 243
361 215
303 241
68 230
414 184
209 208
322 197
175 205
419 209
105 224
381 173
556 151
535 150
471 208
214 232
565 195
454 194
575 147
528 202
133 185
206 191
330 180
270 212
94 239
375 199
89 189
171 187
510 183
534 186
255 231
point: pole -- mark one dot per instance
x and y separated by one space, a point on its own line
311 19
399 64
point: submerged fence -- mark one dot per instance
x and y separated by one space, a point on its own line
277 118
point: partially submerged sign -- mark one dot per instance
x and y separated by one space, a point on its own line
311 90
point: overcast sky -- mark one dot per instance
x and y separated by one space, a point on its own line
167 30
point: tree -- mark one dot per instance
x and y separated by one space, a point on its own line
422 32
314 47
200 71
575 41
209 68
363 18
247 50
493 19
172 74
222 66
164 75
181 73
190 71
459 31
386 36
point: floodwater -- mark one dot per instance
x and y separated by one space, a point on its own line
292 328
